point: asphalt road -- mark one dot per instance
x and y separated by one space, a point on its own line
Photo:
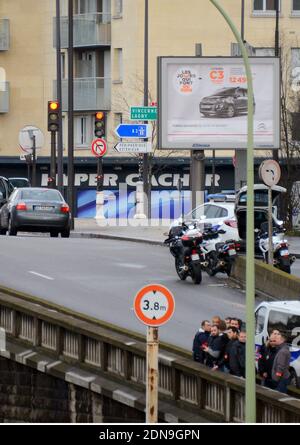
101 277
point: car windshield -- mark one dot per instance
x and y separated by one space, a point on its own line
19 182
41 195
225 92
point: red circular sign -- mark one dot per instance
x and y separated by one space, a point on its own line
99 147
154 305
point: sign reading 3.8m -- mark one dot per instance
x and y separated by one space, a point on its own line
203 103
154 305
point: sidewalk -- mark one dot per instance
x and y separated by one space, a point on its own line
138 231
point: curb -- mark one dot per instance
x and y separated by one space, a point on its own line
90 235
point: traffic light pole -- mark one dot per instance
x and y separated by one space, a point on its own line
146 179
33 161
52 178
71 115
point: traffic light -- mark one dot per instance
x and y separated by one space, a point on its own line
100 124
53 115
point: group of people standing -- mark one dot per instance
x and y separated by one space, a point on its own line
221 345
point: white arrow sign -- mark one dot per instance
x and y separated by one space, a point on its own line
134 147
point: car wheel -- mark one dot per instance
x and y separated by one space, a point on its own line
230 111
12 231
54 234
3 231
65 233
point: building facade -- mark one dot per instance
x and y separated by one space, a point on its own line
109 64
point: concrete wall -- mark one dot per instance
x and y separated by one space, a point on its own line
269 280
27 395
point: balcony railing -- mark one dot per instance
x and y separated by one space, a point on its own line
4 97
4 34
91 93
89 30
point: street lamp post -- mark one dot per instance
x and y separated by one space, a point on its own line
250 272
59 97
146 103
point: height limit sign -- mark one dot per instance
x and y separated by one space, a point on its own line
154 305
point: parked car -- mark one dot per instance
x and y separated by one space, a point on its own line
213 214
226 102
19 182
285 316
6 188
35 210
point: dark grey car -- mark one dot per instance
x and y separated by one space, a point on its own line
227 102
35 210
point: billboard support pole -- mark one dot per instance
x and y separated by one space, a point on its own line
197 174
250 383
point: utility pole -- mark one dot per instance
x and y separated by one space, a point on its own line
276 151
52 178
197 173
71 115
33 173
60 162
243 21
146 178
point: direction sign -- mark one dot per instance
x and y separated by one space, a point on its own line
134 147
143 113
154 305
99 148
133 131
270 172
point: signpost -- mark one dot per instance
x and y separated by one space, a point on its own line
270 173
143 113
134 147
154 305
133 131
31 138
99 149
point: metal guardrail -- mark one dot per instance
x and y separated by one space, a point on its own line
4 97
183 382
93 29
4 35
90 93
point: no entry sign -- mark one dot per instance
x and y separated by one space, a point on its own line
154 305
99 148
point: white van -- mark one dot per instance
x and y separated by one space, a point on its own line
285 316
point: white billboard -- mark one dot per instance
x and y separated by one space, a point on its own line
203 103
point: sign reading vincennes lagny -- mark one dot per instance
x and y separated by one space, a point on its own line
203 103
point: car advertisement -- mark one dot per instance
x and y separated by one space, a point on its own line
203 103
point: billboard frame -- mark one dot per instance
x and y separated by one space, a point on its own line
164 144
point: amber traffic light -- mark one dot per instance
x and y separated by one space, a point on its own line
53 115
99 124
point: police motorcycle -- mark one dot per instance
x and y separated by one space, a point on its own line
281 255
185 245
220 255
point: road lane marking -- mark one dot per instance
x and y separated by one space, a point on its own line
40 275
131 266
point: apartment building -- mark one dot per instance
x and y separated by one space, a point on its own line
108 67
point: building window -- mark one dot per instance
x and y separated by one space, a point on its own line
295 65
83 135
118 59
265 6
118 8
296 7
265 52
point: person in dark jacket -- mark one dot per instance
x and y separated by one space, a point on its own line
223 340
281 364
213 349
266 360
237 359
223 362
200 340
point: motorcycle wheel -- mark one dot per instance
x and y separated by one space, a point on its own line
212 261
196 273
181 273
228 268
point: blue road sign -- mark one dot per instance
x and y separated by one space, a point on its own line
133 131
